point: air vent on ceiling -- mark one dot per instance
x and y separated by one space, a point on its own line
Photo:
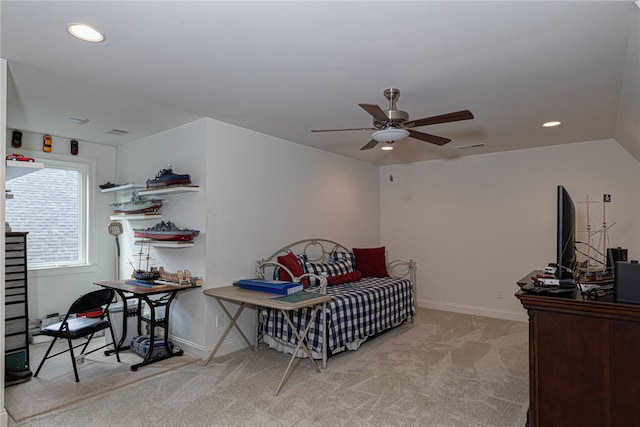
118 132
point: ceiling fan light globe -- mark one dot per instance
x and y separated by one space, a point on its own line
390 135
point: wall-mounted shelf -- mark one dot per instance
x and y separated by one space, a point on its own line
16 169
164 244
122 187
170 190
133 217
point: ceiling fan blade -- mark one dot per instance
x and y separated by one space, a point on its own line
339 130
427 137
444 118
370 145
375 111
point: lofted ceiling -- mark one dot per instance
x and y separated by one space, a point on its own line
284 68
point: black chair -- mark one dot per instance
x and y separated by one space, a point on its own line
77 327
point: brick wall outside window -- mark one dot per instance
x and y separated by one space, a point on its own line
45 204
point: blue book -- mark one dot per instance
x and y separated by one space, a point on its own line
272 286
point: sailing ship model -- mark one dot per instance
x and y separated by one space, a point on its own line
593 275
148 274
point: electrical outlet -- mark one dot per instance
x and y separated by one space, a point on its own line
219 321
499 296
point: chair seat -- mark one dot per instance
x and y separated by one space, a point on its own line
78 327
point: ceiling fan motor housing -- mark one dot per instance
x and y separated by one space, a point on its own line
396 118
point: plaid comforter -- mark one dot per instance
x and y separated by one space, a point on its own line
357 310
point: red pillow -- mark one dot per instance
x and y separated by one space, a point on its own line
291 262
371 262
354 276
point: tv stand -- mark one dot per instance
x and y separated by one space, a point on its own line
584 360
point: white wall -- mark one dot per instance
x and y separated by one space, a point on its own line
53 290
478 224
183 147
627 130
258 193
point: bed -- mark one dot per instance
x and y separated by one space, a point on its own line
361 306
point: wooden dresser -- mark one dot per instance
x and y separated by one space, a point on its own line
584 361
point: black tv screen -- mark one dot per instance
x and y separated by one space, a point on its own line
565 237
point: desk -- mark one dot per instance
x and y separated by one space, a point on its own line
584 360
245 297
142 293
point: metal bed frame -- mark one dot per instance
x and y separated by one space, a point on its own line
319 250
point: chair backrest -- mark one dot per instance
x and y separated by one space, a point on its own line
91 301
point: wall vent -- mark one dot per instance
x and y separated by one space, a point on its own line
465 147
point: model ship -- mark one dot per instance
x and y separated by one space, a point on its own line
137 205
166 231
593 274
148 274
166 177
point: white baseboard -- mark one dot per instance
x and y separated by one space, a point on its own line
476 311
195 350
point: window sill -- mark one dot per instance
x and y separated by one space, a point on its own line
62 270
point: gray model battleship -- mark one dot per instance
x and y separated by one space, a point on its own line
137 205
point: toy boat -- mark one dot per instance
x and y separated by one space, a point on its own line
166 231
166 177
593 275
137 205
148 275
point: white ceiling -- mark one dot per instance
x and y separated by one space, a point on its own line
284 68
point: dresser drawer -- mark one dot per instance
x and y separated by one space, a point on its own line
15 310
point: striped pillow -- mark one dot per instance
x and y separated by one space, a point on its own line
344 256
331 269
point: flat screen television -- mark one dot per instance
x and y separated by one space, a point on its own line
565 236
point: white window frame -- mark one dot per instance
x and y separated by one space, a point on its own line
87 247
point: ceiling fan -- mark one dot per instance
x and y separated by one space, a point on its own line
393 125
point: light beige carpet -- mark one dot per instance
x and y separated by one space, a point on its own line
55 386
445 370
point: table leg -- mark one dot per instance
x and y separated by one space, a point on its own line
325 344
148 358
301 344
125 320
232 323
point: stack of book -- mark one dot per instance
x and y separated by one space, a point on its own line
279 287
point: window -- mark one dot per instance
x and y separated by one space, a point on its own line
52 205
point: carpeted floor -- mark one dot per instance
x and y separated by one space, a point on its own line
55 386
446 369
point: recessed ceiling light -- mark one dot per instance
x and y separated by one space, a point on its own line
551 124
386 147
86 33
78 120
